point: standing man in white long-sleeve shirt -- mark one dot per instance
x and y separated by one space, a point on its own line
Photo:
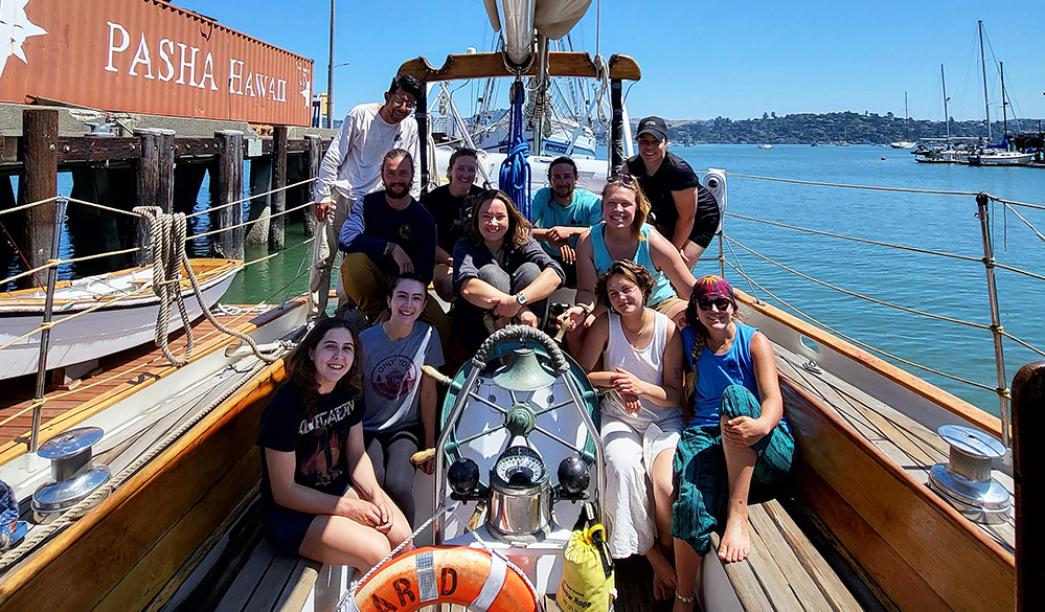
351 169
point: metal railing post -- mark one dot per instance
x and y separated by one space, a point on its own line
1002 390
721 255
45 333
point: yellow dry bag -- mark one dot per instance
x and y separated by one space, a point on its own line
587 573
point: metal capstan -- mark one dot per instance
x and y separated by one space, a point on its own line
965 480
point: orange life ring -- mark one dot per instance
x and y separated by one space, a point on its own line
460 575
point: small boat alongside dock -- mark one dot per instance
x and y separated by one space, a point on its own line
107 313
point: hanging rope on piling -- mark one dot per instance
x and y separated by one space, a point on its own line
515 171
167 247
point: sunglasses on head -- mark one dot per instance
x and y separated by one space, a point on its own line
721 303
623 179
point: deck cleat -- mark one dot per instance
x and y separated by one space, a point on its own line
965 481
74 475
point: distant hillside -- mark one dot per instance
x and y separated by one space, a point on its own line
804 128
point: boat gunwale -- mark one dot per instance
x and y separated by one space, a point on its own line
51 428
941 398
891 467
209 271
26 570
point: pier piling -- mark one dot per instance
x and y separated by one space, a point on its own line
227 186
277 224
40 155
155 180
315 157
258 214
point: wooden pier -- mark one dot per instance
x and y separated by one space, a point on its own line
122 161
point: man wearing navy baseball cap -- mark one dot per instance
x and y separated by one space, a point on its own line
685 212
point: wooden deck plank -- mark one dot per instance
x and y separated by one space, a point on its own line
246 582
742 576
299 587
271 585
816 567
780 552
776 586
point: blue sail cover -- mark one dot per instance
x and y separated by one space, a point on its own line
515 171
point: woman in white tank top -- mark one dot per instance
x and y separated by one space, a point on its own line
634 354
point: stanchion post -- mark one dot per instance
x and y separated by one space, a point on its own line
1002 390
45 333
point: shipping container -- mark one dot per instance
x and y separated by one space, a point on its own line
147 56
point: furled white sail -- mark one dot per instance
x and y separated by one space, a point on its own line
518 20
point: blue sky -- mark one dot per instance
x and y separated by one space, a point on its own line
700 59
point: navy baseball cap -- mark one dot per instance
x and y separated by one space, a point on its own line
654 126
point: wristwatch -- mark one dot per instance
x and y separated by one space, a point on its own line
519 297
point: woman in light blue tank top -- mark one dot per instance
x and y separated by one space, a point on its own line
737 441
624 234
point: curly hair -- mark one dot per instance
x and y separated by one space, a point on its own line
642 203
629 270
518 227
301 368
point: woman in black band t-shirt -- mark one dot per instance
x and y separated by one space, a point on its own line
319 495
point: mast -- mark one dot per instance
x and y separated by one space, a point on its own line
946 116
1004 114
983 68
330 72
906 119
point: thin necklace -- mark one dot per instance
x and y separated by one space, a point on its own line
642 327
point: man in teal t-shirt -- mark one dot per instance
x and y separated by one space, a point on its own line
562 212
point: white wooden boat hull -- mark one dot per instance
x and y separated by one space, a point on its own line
102 332
1003 159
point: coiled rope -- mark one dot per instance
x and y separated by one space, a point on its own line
514 178
167 247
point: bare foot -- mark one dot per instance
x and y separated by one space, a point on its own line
736 541
663 574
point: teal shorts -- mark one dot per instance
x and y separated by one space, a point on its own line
701 483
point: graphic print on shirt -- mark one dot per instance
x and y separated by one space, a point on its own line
324 447
394 377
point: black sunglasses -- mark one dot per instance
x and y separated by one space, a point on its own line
721 303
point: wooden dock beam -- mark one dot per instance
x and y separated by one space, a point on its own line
278 222
227 186
40 174
1028 421
155 181
315 158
